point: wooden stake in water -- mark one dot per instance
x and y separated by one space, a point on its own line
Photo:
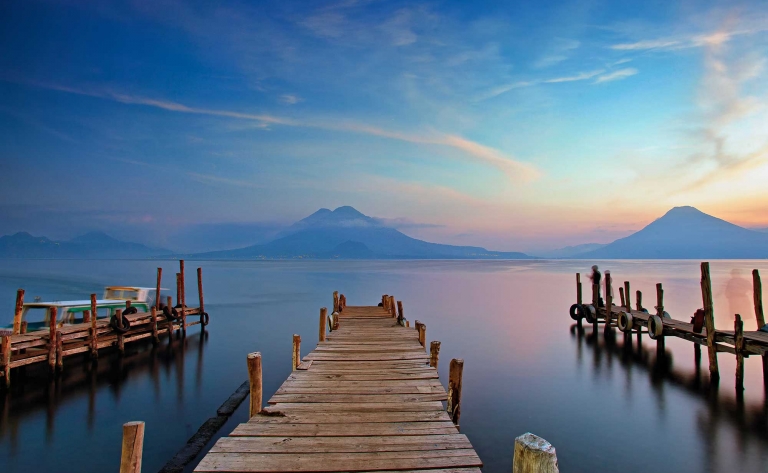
434 353
738 331
94 333
709 321
455 374
533 454
18 311
578 288
133 447
254 378
296 351
157 289
323 323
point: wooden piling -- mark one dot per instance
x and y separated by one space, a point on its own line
709 321
120 338
254 379
133 446
621 297
533 454
454 389
738 331
323 322
608 302
200 295
157 289
578 288
86 316
5 359
434 353
400 314
183 283
178 289
94 335
627 296
639 301
296 351
153 315
422 333
59 351
757 297
335 301
392 306
384 300
17 313
52 339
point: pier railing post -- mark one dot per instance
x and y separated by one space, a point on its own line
254 379
18 312
94 332
434 353
709 321
738 345
454 389
296 351
323 323
133 447
533 454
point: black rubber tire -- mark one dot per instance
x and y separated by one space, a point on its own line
625 321
204 319
381 305
170 313
574 312
126 324
130 310
589 316
655 327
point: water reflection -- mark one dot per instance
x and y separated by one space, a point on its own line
738 292
749 421
34 391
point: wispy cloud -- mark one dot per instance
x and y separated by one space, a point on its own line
577 77
616 75
290 99
515 169
496 91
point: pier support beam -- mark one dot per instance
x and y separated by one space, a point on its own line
323 323
133 447
455 374
533 454
254 380
709 321
296 351
434 353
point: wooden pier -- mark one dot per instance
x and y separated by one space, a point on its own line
52 344
658 324
368 398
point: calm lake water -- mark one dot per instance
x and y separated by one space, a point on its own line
604 406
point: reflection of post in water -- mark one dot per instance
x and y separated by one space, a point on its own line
199 370
91 379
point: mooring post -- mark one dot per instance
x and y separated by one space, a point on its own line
5 360
627 296
400 314
18 311
533 454
434 353
52 340
296 351
200 295
254 379
157 289
153 322
608 302
169 304
384 300
621 297
709 321
133 446
454 389
392 306
323 322
120 340
422 329
335 301
738 342
183 283
578 288
660 341
639 301
94 333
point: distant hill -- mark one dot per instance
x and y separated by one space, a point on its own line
686 233
347 233
91 245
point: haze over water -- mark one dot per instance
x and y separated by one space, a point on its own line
526 369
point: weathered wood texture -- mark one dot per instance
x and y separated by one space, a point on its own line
533 454
369 401
133 443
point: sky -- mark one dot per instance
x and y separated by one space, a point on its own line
517 126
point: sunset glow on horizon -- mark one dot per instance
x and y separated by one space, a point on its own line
513 127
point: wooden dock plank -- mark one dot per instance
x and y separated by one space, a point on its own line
367 401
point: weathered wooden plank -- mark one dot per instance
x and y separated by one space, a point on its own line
340 444
291 416
338 398
355 429
419 406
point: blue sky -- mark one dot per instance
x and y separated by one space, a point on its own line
512 126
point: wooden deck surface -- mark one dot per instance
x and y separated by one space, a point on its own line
367 401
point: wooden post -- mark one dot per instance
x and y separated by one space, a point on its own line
120 341
200 292
660 341
335 301
392 306
133 446
155 336
400 312
757 296
422 329
533 454
434 353
296 351
178 289
157 289
384 300
87 317
94 333
738 330
52 340
323 322
5 359
621 297
183 283
59 351
709 321
627 296
639 301
254 379
578 288
608 302
19 310
454 389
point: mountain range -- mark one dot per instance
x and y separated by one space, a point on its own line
95 245
347 233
